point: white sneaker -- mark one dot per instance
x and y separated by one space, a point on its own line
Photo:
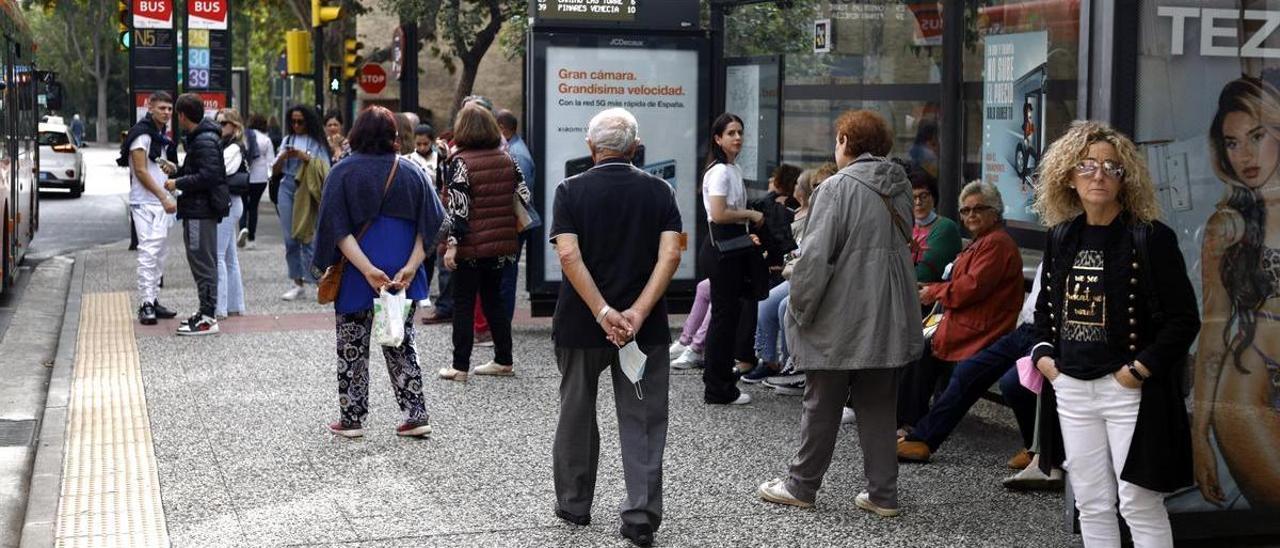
495 369
242 237
251 245
847 416
451 374
743 399
676 350
863 501
775 491
688 360
1032 479
424 303
295 293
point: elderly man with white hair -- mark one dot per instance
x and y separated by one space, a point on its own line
617 231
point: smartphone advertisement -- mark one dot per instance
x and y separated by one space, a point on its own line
657 83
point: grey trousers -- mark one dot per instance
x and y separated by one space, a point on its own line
873 393
201 239
642 431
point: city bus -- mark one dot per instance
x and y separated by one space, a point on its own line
19 156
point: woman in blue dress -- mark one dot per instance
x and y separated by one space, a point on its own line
304 143
381 222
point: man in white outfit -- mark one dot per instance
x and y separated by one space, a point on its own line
150 204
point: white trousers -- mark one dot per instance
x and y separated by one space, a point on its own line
1098 419
230 286
152 225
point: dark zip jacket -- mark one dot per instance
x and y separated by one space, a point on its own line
203 177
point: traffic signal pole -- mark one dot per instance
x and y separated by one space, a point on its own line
409 68
320 16
317 64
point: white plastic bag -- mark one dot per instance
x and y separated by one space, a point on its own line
389 312
631 360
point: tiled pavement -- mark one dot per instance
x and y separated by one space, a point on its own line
237 422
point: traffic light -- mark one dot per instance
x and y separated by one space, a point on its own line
335 80
297 47
321 14
351 58
122 24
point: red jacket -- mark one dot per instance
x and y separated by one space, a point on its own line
982 300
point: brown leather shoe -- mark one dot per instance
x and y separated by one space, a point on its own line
436 318
913 451
1021 460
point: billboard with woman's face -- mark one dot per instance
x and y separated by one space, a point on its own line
1217 163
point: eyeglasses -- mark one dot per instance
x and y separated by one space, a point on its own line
921 198
967 211
1089 166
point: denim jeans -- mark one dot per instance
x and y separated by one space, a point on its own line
971 379
230 286
297 255
769 324
444 280
510 279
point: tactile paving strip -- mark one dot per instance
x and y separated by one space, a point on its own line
110 483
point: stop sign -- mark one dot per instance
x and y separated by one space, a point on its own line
372 78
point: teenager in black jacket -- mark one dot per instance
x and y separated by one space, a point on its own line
203 201
1115 320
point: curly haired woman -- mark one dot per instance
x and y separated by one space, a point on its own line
1113 335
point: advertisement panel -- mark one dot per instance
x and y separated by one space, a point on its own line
660 86
1208 118
1013 118
753 92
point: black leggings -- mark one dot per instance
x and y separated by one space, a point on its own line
251 199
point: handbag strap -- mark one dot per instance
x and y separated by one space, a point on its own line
395 163
897 219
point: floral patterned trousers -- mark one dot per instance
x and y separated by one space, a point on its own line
354 331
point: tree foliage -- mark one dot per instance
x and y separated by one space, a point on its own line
460 33
75 43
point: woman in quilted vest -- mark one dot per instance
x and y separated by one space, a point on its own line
484 184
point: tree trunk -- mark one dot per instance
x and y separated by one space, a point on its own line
100 135
466 82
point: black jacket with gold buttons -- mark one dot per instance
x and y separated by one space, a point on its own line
1153 317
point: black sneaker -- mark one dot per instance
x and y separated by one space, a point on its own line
147 314
162 312
574 519
640 534
198 324
760 373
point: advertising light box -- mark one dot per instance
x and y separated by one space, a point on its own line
661 80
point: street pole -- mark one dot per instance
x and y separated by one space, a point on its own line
317 60
409 68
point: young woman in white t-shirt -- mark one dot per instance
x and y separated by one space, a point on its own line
724 196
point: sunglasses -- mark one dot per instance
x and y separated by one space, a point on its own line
224 122
297 121
967 211
1088 167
